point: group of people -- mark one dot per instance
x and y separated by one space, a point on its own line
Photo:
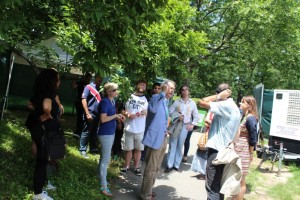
146 125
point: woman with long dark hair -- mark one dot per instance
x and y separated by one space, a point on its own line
46 109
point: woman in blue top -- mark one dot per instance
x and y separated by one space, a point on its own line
106 131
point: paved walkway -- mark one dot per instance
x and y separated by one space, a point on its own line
175 185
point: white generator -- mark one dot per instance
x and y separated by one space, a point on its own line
285 121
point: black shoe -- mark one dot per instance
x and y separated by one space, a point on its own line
167 170
177 169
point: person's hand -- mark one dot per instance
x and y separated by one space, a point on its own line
121 117
207 123
251 157
132 116
165 88
180 118
89 117
189 127
224 94
144 112
61 109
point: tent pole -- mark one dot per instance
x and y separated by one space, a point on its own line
12 60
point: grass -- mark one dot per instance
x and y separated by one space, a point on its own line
264 183
76 178
289 190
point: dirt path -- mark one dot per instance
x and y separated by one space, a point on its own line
174 185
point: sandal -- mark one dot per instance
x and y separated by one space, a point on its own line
106 192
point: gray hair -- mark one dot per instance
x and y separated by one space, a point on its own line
166 83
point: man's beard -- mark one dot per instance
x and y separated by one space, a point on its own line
140 89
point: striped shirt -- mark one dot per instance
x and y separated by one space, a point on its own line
225 124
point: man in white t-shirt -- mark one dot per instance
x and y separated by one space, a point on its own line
135 112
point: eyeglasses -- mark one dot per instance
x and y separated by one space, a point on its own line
114 90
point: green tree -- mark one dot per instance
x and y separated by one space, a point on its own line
24 24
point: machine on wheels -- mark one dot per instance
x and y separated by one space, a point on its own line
279 116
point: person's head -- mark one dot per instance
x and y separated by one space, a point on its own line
248 105
156 88
168 86
141 86
87 77
46 81
98 79
184 91
222 87
111 90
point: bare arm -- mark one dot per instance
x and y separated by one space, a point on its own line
61 108
104 118
86 110
30 105
47 106
205 102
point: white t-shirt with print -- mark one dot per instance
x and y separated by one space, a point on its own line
136 104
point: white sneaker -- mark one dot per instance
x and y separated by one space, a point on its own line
50 186
42 196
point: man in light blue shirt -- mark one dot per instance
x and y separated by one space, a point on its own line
224 126
155 136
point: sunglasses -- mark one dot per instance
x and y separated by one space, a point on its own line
114 90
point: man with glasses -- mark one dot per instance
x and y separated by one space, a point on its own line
135 113
90 100
187 108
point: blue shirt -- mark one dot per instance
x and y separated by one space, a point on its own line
107 128
91 100
225 124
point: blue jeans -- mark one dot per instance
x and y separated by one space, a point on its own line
213 177
175 148
89 134
106 142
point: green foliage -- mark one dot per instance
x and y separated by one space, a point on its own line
100 34
200 43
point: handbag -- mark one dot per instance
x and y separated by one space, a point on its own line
56 144
204 136
55 141
202 141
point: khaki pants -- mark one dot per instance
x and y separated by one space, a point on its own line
154 158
